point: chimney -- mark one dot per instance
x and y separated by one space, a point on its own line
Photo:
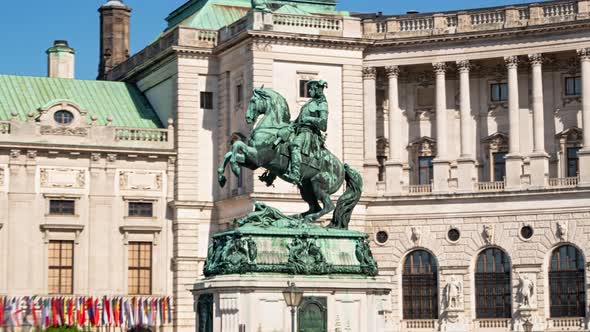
114 36
60 60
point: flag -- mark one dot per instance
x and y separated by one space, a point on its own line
169 306
33 307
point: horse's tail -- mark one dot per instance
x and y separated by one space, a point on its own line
348 200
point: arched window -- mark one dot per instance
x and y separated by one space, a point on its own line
420 287
492 285
566 283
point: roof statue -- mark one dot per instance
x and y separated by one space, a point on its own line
293 151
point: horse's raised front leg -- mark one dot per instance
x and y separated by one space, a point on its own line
220 177
240 153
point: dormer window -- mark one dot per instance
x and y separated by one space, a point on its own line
63 117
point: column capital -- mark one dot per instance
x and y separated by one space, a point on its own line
439 67
536 59
369 73
511 61
392 71
584 54
464 66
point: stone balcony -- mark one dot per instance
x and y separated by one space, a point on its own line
479 20
19 133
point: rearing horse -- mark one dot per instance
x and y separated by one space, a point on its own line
322 176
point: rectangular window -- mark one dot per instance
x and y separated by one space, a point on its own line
573 167
425 170
140 268
206 100
573 86
303 90
62 207
141 209
499 166
499 91
239 93
61 267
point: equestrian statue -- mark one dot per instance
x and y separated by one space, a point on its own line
295 152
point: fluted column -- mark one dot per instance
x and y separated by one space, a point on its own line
370 128
584 153
393 167
514 158
466 162
539 158
441 163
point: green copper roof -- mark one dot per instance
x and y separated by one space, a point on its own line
123 102
216 14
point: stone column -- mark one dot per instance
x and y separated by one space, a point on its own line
514 157
539 158
370 129
466 162
441 163
584 153
393 167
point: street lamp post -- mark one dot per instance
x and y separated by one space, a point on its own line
293 296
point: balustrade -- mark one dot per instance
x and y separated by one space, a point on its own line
488 18
490 186
419 189
417 24
559 9
313 22
493 323
141 135
420 324
568 182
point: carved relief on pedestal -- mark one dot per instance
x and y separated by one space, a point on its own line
53 177
140 180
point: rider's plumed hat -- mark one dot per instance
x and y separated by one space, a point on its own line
320 83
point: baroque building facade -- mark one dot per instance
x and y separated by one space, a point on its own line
471 128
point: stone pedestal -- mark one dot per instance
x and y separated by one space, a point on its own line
584 159
527 314
513 171
454 321
467 175
539 170
440 183
254 302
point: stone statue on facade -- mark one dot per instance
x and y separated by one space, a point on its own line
453 293
488 234
295 152
562 231
526 290
259 5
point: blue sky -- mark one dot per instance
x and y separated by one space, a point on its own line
28 28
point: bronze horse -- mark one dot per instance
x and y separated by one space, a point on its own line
322 175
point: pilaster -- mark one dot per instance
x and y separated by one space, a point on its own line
514 158
539 158
441 164
393 167
466 163
370 136
584 153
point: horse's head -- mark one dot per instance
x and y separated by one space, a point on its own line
257 105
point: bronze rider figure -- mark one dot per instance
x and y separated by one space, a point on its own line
309 128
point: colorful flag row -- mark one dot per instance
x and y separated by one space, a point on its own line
85 311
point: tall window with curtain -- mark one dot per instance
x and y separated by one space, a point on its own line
420 286
492 285
566 283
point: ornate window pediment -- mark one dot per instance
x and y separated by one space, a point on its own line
423 147
63 117
496 142
571 135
